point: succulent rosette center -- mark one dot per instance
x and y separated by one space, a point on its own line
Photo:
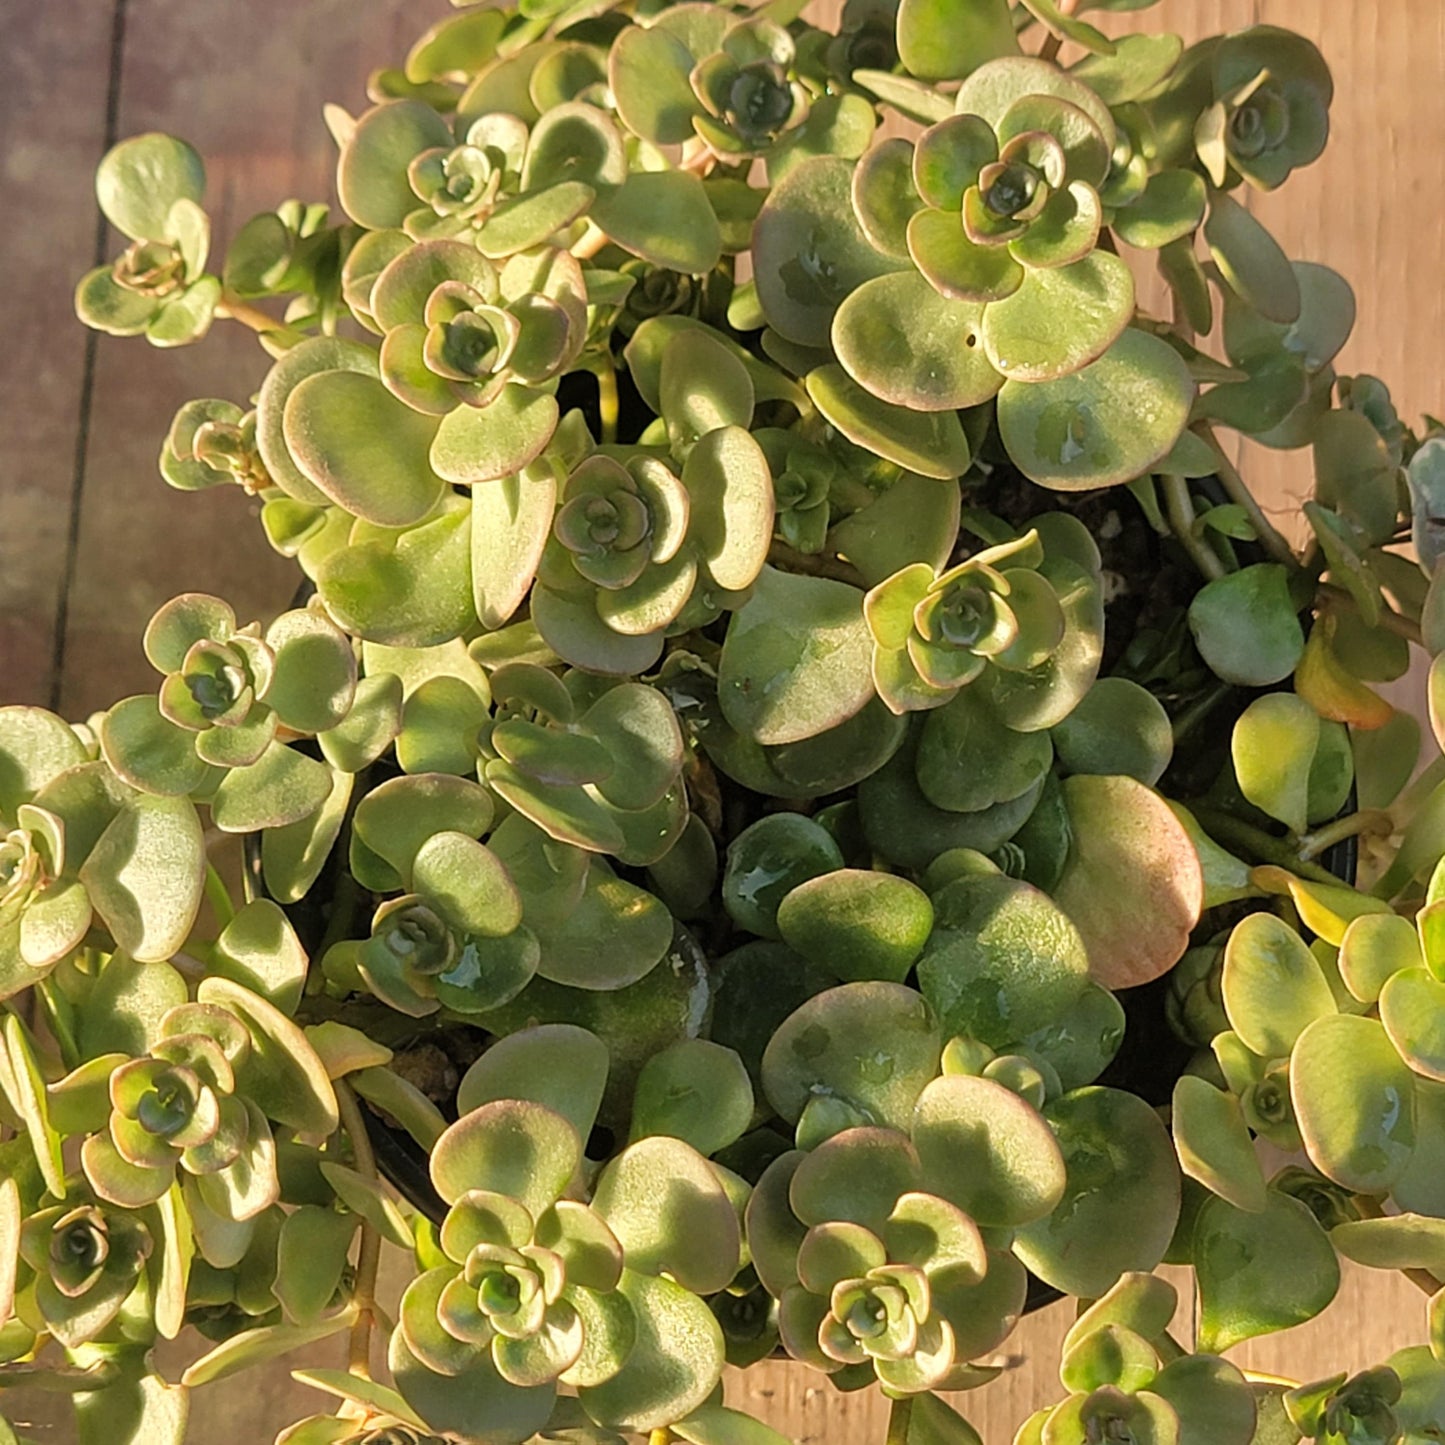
415 935
151 268
462 182
87 1260
22 868
760 100
218 683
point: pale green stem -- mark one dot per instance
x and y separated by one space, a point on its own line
900 1413
218 896
1180 510
368 1258
1269 535
1367 820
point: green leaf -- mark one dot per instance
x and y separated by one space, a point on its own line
259 950
767 860
1063 317
513 1147
24 1085
1251 260
1259 1272
671 1369
371 179
125 1006
145 876
559 1065
255 1347
1398 1241
467 884
143 1410
511 521
717 1425
362 448
368 1198
796 659
480 444
939 41
1104 424
1131 858
314 682
858 924
1354 1101
399 815
931 443
281 1074
1375 947
648 70
409 589
1245 626
969 759
614 936
1412 1009
1273 987
293 856
35 747
663 217
283 786
1121 1196
1003 959
368 729
1214 1143
873 1045
935 368
809 251
310 1259
478 1405
670 1213
1274 745
1118 728
915 520
140 179
149 751
988 1151
313 357
697 1091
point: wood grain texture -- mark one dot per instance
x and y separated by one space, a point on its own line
244 80
48 152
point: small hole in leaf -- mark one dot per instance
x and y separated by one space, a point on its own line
972 340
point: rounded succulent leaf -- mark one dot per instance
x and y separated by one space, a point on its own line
1131 858
669 1211
697 1091
1104 424
1354 1101
559 1065
1291 1271
1273 986
139 180
857 1177
987 1150
1121 1195
371 175
511 1146
859 924
874 1044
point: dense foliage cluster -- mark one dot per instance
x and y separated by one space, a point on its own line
798 782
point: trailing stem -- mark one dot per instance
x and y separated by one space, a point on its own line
1238 491
1050 51
1180 510
218 896
900 1413
1366 821
358 1355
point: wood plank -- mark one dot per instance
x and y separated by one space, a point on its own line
47 156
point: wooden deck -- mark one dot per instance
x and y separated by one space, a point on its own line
91 541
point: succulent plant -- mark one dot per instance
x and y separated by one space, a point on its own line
800 778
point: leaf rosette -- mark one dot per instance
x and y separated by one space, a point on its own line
935 633
87 1259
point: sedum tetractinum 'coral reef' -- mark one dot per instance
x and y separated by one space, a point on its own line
800 805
